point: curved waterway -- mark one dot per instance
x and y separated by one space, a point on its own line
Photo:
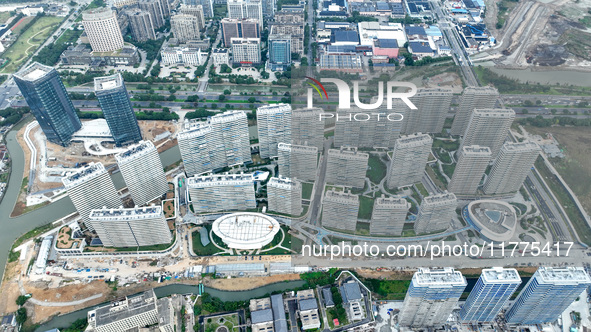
12 228
66 320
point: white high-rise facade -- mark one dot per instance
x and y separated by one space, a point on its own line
368 128
435 213
307 127
547 295
472 164
246 51
473 97
490 294
274 127
432 296
135 227
220 142
388 216
432 105
408 161
340 210
91 188
223 192
489 127
284 196
511 167
143 172
347 167
297 161
246 9
102 29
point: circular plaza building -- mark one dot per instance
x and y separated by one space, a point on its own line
246 230
494 220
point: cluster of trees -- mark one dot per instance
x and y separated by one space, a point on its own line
428 60
12 115
314 279
540 121
74 78
508 85
82 96
50 54
161 116
214 304
338 311
356 18
200 113
225 69
151 47
150 97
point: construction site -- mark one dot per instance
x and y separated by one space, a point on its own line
544 33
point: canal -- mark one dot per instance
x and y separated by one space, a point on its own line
12 228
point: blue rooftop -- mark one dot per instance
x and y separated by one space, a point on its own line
344 36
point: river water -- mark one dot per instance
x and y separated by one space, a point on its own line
12 228
67 319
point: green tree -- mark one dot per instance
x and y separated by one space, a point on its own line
227 92
21 300
21 315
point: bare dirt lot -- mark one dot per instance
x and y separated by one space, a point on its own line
575 168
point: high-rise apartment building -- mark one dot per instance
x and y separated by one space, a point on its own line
511 167
435 213
239 28
274 127
133 313
347 166
246 51
135 227
207 6
143 172
294 30
472 163
91 188
196 11
269 8
490 294
432 105
49 102
220 142
117 109
289 16
388 216
140 24
340 210
284 195
432 296
489 127
102 29
307 127
363 128
408 161
279 51
156 10
222 192
473 97
185 27
246 9
547 294
297 161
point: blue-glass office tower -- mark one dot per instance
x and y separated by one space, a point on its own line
49 102
432 296
279 51
114 100
547 294
493 289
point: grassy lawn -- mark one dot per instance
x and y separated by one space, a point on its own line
365 207
29 41
4 16
436 177
449 169
422 190
564 199
201 250
377 169
307 190
446 145
388 289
